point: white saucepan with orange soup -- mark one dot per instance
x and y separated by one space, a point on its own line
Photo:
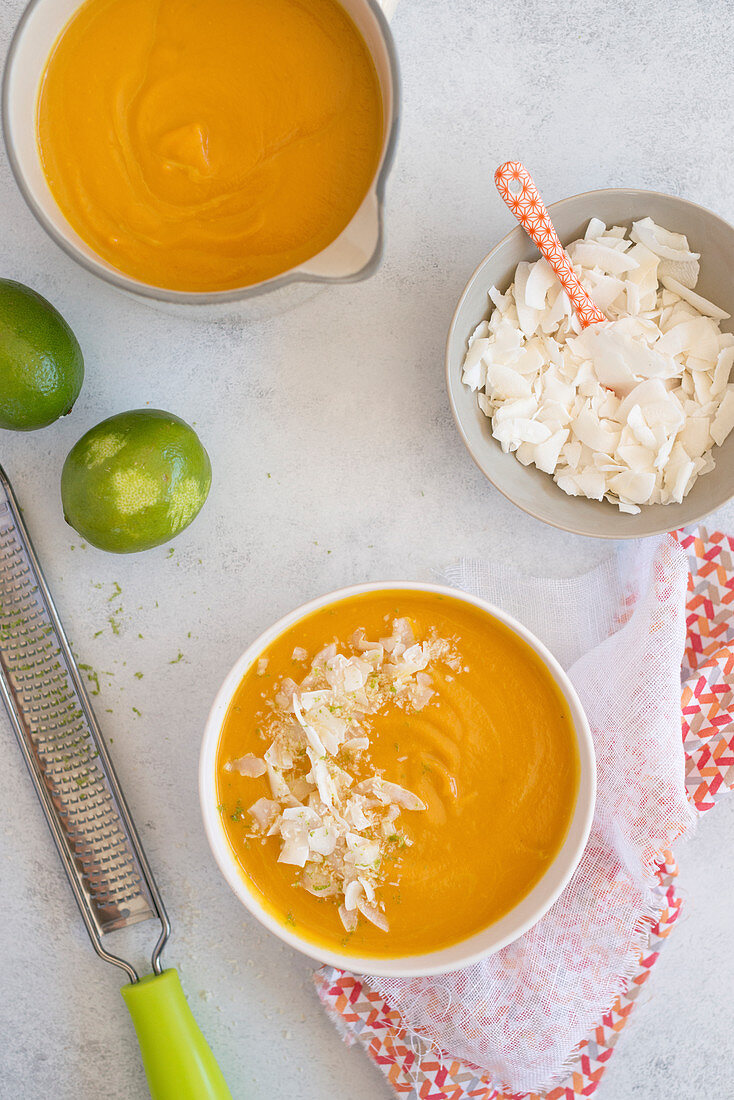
204 147
397 778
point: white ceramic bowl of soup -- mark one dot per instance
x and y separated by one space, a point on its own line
529 488
485 942
354 255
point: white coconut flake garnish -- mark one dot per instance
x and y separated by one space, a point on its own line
336 817
627 410
249 765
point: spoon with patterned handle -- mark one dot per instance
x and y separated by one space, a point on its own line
516 186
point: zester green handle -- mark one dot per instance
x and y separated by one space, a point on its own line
178 1062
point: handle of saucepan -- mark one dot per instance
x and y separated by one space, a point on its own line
178 1062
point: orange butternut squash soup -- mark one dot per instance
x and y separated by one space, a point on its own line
396 773
202 145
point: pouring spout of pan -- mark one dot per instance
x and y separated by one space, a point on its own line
357 250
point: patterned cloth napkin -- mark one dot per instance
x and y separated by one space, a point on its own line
540 1019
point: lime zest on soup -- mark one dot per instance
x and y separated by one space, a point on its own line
334 823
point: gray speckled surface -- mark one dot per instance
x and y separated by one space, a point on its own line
342 403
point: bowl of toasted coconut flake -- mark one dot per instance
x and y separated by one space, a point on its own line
621 429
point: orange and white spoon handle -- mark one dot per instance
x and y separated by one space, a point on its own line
525 203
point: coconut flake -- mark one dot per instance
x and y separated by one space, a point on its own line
264 812
610 260
352 893
356 744
724 363
698 336
540 280
295 848
349 918
594 229
373 914
700 304
667 245
323 839
387 792
724 420
278 786
248 765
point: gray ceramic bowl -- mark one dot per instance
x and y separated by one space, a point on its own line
533 491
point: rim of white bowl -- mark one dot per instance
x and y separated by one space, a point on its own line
426 963
663 528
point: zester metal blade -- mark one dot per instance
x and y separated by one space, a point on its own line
66 756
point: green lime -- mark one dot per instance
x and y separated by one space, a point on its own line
135 481
41 364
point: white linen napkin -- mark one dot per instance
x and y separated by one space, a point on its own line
619 631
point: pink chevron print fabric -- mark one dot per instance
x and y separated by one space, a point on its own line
517 188
416 1068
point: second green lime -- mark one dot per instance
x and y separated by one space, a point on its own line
135 480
